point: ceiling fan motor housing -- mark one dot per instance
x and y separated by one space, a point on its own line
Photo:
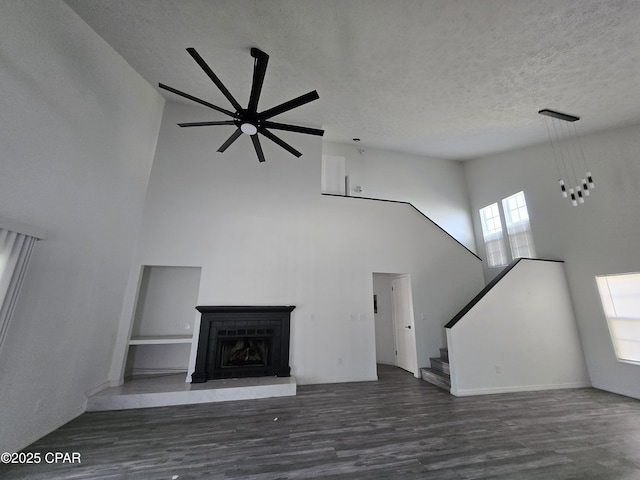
249 120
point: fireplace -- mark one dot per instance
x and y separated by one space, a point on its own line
244 352
242 341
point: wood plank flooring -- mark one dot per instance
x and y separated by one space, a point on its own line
397 428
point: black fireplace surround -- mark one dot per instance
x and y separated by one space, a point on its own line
243 341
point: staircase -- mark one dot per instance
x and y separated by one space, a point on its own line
438 374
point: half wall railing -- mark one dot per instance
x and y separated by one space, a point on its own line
412 206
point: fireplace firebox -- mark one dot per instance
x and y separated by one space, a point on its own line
243 341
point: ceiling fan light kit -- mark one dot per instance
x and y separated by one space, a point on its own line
569 156
248 120
248 128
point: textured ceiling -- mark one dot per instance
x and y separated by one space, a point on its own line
453 79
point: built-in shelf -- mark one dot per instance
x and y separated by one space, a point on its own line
161 340
164 319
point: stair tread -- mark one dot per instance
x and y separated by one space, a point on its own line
434 377
439 364
439 360
436 372
439 373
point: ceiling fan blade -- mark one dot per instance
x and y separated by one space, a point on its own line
293 128
259 71
230 140
203 124
196 99
280 142
291 104
199 60
258 147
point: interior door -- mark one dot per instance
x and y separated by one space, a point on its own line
406 357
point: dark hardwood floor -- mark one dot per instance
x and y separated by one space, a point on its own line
397 428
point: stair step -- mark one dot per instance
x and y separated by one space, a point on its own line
444 354
439 379
440 365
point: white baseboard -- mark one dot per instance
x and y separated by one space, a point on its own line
515 389
303 381
617 391
155 371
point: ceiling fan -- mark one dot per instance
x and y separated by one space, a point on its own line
249 120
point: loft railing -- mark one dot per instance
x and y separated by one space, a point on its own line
412 206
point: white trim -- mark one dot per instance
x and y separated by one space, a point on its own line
161 340
22 228
516 389
619 391
156 371
301 380
630 362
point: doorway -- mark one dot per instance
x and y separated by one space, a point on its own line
394 321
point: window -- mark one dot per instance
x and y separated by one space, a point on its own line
518 229
492 233
514 214
16 245
620 296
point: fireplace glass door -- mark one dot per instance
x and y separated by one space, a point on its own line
244 352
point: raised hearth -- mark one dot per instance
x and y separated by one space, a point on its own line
243 341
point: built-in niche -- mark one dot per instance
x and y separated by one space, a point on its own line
162 331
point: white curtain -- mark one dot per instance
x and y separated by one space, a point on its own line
15 251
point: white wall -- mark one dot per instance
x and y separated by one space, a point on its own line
598 237
78 132
264 235
520 336
158 359
434 186
385 341
160 314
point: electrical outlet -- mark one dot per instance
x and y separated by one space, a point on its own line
498 368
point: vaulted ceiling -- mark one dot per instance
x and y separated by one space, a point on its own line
453 79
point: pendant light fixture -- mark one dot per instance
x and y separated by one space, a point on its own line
574 177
